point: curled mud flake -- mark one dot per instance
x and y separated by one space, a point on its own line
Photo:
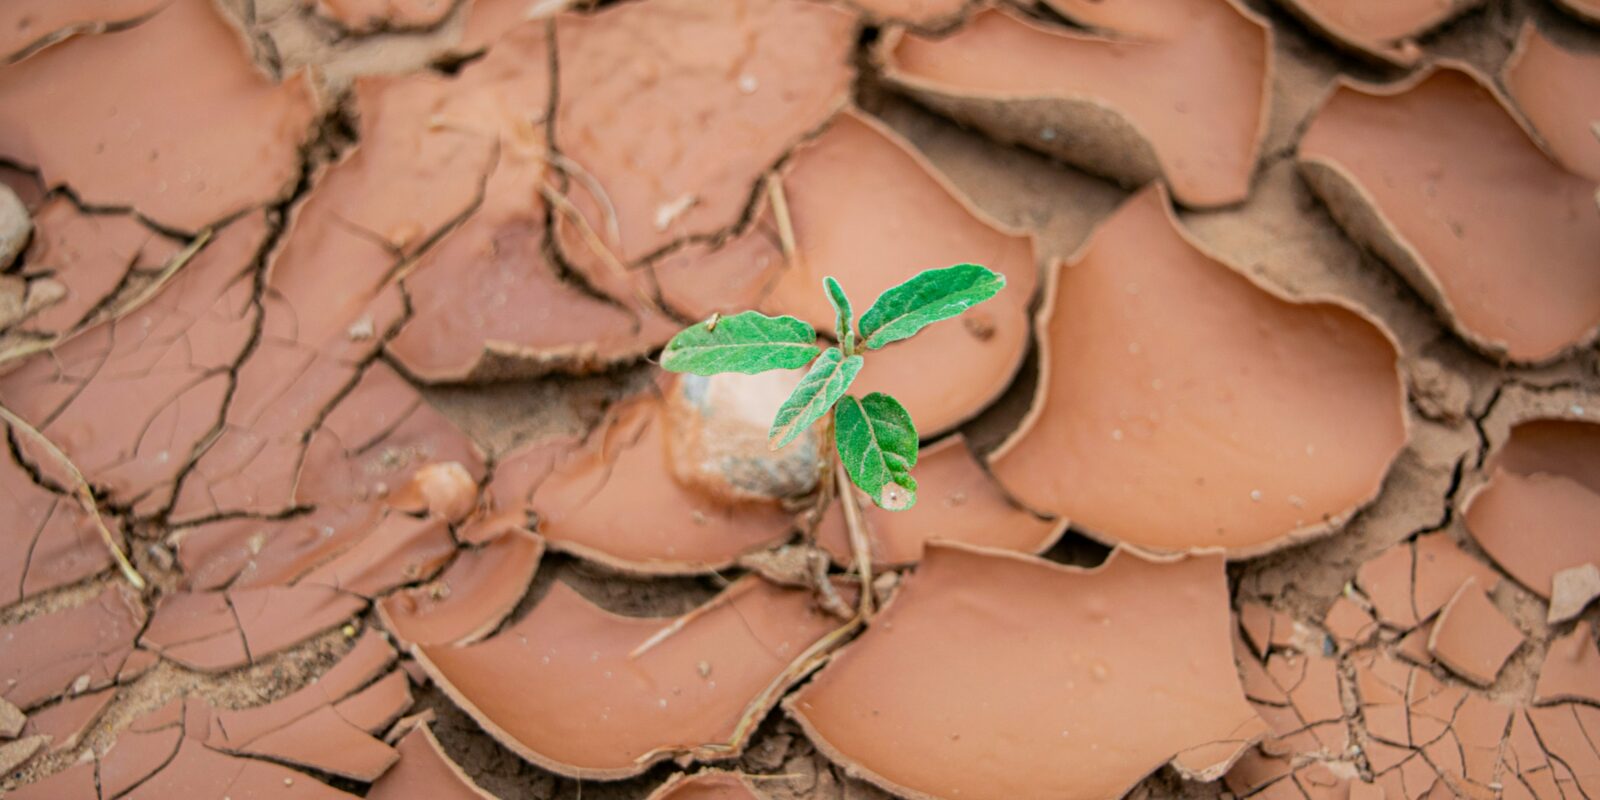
1536 515
204 135
471 598
48 541
131 400
615 500
1472 637
708 785
718 429
66 722
1062 663
443 489
1415 197
76 650
1386 30
957 501
1571 669
1587 9
1163 371
90 255
590 694
400 550
425 771
700 279
218 631
1555 89
716 94
1573 589
869 210
327 725
368 16
1178 90
28 26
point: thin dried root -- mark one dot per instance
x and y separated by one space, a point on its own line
780 212
858 539
85 496
598 247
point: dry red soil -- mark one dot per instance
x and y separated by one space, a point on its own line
1274 472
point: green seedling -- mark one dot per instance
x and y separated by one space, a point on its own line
873 437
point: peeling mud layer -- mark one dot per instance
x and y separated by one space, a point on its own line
1274 471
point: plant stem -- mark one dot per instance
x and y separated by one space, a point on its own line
858 538
85 495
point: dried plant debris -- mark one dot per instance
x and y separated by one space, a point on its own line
958 502
1417 196
368 16
1537 513
1571 670
206 134
471 597
707 785
75 650
425 771
1386 30
586 693
1157 379
1060 663
49 540
328 725
866 208
219 631
1176 89
28 26
616 500
1472 637
1554 88
715 95
132 399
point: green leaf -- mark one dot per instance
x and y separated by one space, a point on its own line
878 446
841 314
931 296
747 343
818 391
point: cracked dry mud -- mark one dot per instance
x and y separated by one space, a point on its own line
1275 471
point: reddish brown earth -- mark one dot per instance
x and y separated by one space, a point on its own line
1274 472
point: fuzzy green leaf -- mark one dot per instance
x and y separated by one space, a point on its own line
933 295
878 446
842 315
747 343
822 386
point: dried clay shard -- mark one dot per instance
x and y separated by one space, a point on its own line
1587 9
1537 514
425 771
1166 373
1555 89
66 722
205 135
1472 637
471 598
131 400
957 502
716 94
927 13
487 301
1409 582
316 726
867 209
1176 89
586 693
368 16
616 501
1383 29
1060 663
1572 590
217 631
79 649
708 785
1416 195
1571 668
28 26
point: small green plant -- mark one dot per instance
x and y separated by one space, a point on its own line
873 437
